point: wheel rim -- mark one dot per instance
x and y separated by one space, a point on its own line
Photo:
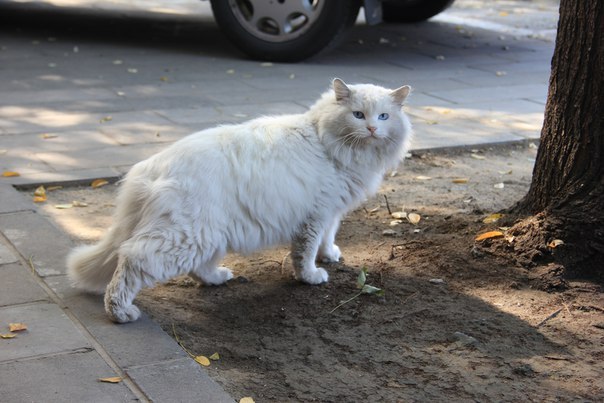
276 20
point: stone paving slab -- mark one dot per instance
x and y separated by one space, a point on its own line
70 377
20 286
183 375
49 331
37 240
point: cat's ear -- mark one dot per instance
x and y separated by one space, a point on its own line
400 94
341 89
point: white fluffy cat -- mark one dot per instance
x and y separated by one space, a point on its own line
240 188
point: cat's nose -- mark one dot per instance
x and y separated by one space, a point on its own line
372 129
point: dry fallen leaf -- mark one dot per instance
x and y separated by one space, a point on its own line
423 178
40 191
97 183
394 223
112 379
460 180
202 360
477 157
413 218
53 188
46 136
489 235
246 400
63 206
105 119
76 203
10 174
40 194
8 336
17 327
492 218
399 215
555 243
215 357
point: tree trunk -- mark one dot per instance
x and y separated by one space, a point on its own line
566 197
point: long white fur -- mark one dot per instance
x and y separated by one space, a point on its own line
241 188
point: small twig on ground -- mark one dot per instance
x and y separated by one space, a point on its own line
283 262
387 205
31 264
347 301
409 297
553 315
180 343
568 310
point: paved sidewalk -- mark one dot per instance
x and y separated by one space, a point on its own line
87 92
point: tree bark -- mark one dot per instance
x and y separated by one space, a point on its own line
566 196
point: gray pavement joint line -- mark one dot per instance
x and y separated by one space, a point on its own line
135 388
81 350
34 302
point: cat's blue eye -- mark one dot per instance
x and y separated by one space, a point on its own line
358 114
383 116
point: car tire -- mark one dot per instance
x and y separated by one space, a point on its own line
310 26
413 10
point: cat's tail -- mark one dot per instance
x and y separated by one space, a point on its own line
90 267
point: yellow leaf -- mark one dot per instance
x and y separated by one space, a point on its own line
492 218
399 215
504 13
555 243
215 357
40 191
105 119
17 327
47 136
63 206
111 379
413 218
246 400
10 174
40 194
203 360
460 180
163 78
8 336
488 235
97 183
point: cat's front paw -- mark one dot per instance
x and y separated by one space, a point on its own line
330 254
315 275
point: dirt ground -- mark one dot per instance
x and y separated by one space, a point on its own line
457 320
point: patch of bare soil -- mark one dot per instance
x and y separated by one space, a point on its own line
458 321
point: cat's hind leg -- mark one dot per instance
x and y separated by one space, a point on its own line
120 292
143 261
